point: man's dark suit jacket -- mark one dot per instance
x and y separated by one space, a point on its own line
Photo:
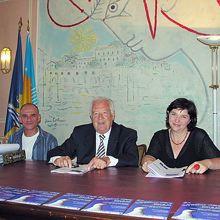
82 144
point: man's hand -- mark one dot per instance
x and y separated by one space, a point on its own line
64 161
98 163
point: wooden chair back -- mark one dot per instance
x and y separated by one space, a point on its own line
141 151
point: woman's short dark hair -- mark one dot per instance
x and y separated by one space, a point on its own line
184 104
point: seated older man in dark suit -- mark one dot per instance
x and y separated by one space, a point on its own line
100 144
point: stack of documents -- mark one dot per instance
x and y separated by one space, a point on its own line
159 169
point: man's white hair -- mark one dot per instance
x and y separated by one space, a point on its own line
100 99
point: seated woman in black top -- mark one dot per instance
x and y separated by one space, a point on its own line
183 144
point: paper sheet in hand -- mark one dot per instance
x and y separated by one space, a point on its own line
159 169
5 148
80 169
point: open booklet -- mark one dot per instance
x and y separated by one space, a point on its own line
75 169
159 169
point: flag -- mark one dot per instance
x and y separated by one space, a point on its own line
15 94
29 85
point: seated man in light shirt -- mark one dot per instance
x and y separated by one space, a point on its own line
31 137
116 148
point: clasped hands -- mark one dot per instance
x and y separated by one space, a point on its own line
95 163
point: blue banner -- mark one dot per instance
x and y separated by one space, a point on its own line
15 95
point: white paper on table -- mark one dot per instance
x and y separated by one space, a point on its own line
159 169
5 148
79 169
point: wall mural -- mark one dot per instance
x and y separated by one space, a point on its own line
141 53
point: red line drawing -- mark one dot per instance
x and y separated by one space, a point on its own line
152 31
67 25
151 22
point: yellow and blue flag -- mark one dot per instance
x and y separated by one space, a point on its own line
29 85
15 94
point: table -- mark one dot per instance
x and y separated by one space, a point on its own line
125 182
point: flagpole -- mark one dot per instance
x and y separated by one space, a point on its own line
20 24
28 26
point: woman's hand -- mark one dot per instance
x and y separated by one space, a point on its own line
198 167
147 159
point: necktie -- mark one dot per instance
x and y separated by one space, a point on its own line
101 149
